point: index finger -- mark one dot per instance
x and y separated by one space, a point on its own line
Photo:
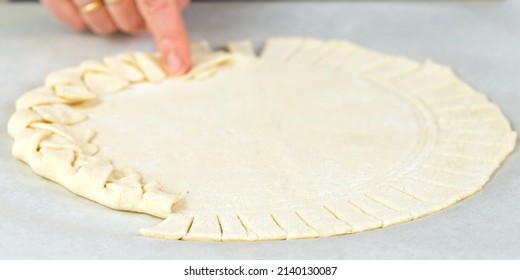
165 22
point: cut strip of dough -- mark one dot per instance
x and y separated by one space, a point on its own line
392 68
128 58
280 49
123 69
471 150
127 192
102 83
430 76
150 66
444 178
353 216
379 211
20 120
174 227
293 225
323 221
60 160
205 227
74 92
492 125
26 144
263 226
159 203
336 54
90 180
479 138
362 60
486 112
426 191
469 166
95 67
206 65
39 96
64 77
200 47
74 134
58 142
446 91
401 201
59 113
243 47
472 102
309 50
233 229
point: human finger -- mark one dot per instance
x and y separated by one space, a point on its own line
96 16
125 15
165 22
183 3
66 11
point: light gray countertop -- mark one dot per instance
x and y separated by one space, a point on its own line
480 40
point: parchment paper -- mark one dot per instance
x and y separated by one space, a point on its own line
480 40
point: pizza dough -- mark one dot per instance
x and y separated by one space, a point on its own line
311 139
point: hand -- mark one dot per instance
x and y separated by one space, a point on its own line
163 19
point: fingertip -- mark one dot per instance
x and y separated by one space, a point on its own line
174 64
77 25
104 30
183 51
187 57
175 56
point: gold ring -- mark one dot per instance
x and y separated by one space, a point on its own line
94 5
111 2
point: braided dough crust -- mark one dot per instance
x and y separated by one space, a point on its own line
310 139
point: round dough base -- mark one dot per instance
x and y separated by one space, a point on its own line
313 138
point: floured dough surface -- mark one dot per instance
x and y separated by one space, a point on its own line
288 135
314 138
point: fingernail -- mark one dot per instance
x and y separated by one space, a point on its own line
174 64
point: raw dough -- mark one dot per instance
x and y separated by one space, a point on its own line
313 138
